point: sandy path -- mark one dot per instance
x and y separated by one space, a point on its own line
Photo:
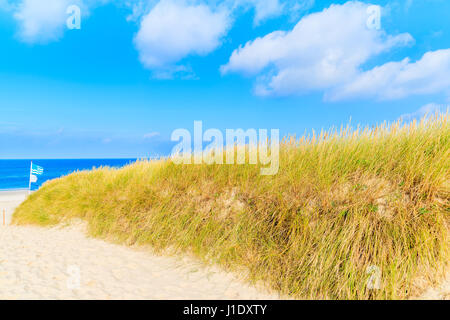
9 200
62 263
442 292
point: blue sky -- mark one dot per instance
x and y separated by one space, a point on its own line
138 70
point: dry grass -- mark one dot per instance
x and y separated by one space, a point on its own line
341 202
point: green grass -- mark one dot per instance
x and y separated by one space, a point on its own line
341 203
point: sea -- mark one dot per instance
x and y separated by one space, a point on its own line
15 174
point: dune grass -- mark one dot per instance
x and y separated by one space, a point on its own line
342 203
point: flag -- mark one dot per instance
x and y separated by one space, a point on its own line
36 170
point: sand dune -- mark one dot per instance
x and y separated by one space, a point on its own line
62 263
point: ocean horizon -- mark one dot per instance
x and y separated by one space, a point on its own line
15 173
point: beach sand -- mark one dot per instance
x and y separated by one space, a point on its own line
10 200
62 263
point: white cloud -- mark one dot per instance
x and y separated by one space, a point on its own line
41 21
5 5
169 30
45 21
395 80
151 135
324 50
273 8
266 9
138 8
427 110
263 9
173 30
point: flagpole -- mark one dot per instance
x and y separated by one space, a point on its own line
29 184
